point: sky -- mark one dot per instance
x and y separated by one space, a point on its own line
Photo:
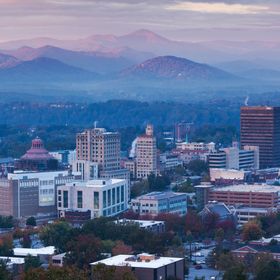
191 20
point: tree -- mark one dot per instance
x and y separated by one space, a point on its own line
31 221
6 245
121 249
219 235
6 222
4 273
83 250
57 234
251 231
236 272
197 167
26 241
193 223
56 273
270 271
31 262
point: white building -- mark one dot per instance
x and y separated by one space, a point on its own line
155 203
196 146
148 267
169 161
100 197
235 158
87 169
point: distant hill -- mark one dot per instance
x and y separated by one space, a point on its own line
42 70
7 61
171 67
96 62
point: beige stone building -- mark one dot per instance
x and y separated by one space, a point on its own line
146 154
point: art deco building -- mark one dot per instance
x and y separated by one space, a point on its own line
146 154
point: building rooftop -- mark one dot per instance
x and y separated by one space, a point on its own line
50 250
249 188
37 151
160 195
95 183
12 260
141 260
141 223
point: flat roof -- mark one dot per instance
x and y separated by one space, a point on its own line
95 183
50 250
12 260
141 223
121 260
159 195
249 188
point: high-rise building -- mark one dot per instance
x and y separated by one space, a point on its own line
260 126
146 154
102 148
98 145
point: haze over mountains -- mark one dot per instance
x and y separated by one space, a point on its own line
125 66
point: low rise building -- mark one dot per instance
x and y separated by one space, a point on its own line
153 226
24 194
147 266
235 158
100 197
155 203
58 260
44 253
169 161
256 196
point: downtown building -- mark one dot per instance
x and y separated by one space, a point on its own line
98 153
260 126
82 200
146 154
235 158
32 190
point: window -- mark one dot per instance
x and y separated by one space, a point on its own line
79 199
96 200
114 196
65 199
118 194
109 197
104 199
122 193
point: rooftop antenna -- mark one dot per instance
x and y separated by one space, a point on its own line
95 124
246 101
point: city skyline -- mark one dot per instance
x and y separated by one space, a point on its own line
180 20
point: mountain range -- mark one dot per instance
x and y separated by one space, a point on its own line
140 61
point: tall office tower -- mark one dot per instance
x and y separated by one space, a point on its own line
146 154
98 145
260 126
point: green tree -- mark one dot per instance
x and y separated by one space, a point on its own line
198 167
270 271
4 272
31 262
236 272
57 234
31 221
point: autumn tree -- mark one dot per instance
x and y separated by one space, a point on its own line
121 249
251 231
83 250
